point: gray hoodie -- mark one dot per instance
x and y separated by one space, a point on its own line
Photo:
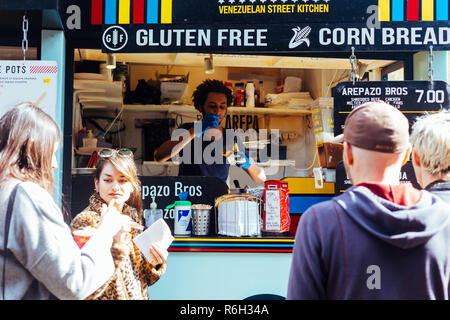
41 247
361 246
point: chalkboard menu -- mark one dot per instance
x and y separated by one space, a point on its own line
412 98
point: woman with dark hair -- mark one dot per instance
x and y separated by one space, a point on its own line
212 99
39 257
116 182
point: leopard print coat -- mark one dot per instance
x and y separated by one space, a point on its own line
133 273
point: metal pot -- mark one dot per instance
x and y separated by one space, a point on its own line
200 222
238 188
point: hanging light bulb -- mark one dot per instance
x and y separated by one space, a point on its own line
110 61
209 67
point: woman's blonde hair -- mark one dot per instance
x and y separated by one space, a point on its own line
430 139
28 137
126 166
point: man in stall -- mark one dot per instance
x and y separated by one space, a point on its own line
198 142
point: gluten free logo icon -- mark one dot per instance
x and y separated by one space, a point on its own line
115 38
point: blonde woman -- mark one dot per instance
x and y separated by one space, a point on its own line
117 184
39 259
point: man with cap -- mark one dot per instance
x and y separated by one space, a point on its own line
380 239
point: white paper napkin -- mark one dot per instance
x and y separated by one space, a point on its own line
159 231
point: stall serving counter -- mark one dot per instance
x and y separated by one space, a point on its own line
242 267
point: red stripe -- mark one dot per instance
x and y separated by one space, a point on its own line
229 250
138 11
412 13
43 69
97 11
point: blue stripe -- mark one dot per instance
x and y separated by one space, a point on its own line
301 204
152 11
397 10
231 245
442 10
110 11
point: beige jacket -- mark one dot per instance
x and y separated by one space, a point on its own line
133 273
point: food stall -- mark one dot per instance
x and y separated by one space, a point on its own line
173 46
276 43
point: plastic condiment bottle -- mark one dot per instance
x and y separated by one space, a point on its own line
250 94
90 141
153 214
261 95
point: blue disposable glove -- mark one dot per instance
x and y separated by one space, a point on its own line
211 120
240 161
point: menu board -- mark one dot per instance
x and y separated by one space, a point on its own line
412 98
32 80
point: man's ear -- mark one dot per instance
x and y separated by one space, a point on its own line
415 159
348 151
407 154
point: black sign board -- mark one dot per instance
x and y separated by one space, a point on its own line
216 26
287 37
165 189
412 98
343 182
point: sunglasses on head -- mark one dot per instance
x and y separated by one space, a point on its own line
106 153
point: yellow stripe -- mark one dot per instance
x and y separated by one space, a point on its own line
384 10
427 10
232 240
124 11
307 186
166 11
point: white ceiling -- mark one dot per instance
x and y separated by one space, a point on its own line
230 60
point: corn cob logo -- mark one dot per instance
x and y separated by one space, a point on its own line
300 36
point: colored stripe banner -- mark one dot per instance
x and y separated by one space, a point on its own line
130 11
233 245
152 11
43 69
162 11
124 11
384 7
427 10
398 10
299 204
423 10
412 13
110 11
166 11
97 11
138 11
442 10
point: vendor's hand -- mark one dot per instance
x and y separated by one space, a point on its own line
240 157
211 120
158 254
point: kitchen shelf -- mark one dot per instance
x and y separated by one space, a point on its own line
279 163
231 110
